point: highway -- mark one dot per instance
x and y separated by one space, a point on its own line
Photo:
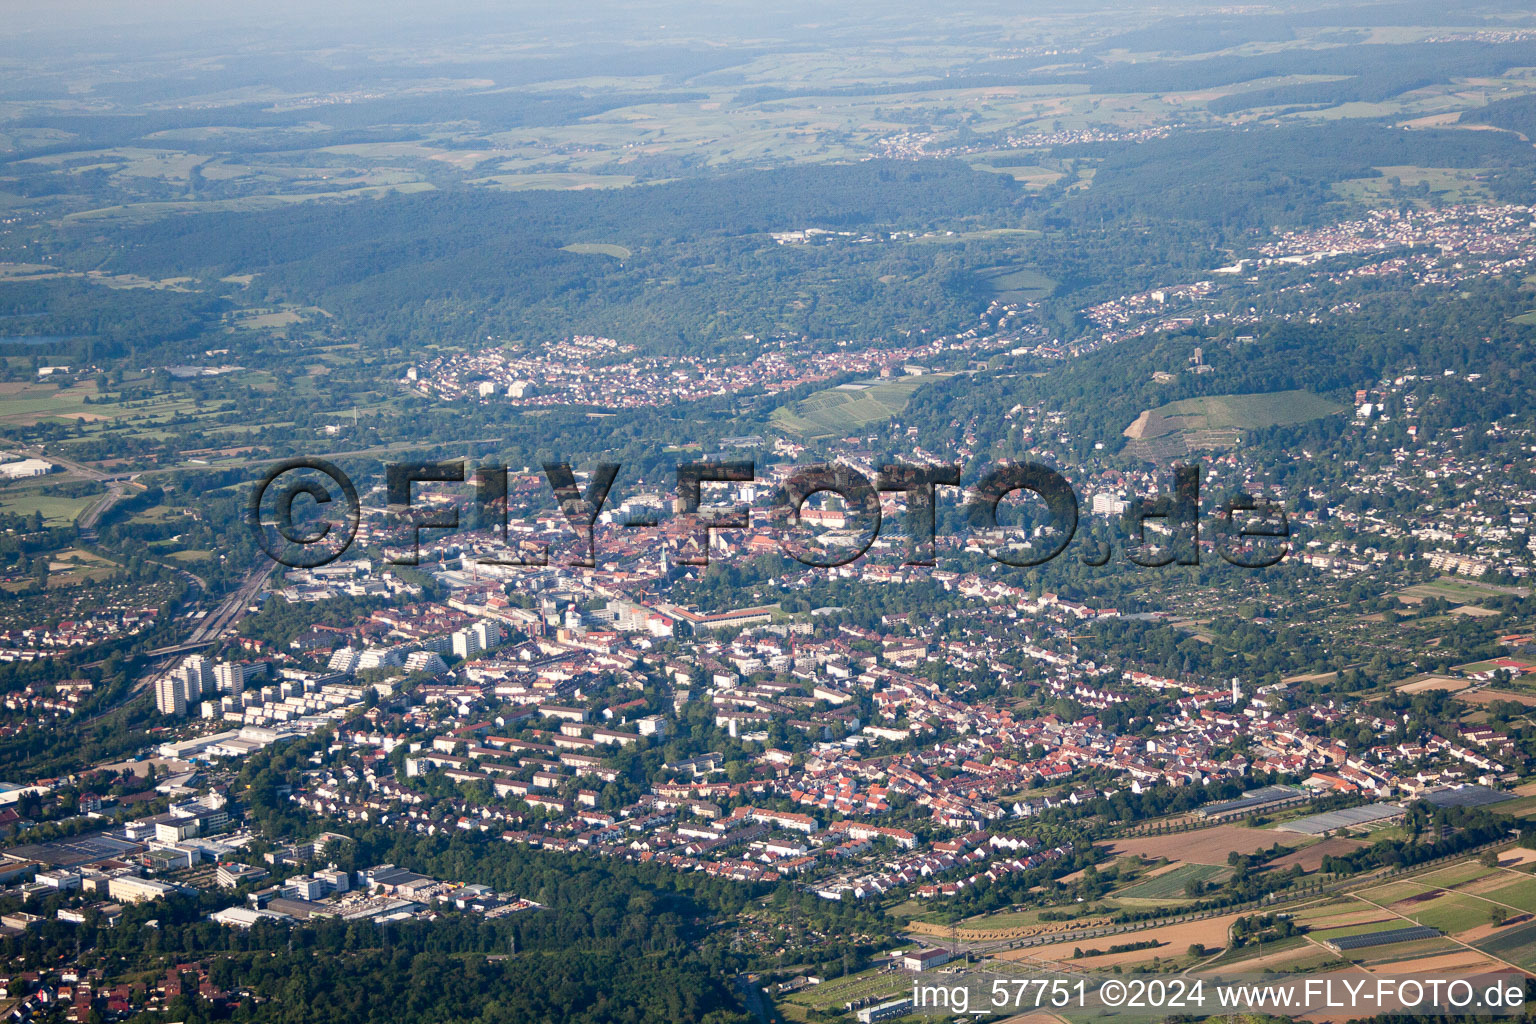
115 482
86 524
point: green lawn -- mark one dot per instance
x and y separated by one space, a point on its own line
1324 911
1393 892
1322 933
1525 807
1452 590
1006 919
1445 184
244 204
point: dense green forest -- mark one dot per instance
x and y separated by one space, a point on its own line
461 265
1271 176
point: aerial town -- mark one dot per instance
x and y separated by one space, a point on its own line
767 514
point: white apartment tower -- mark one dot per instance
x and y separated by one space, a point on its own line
197 678
487 634
171 695
231 676
466 644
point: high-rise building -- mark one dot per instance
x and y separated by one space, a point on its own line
466 644
197 675
171 695
487 634
231 677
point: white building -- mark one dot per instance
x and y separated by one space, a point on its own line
425 661
230 677
1105 504
198 678
170 695
466 644
380 657
128 889
60 879
25 468
244 917
487 634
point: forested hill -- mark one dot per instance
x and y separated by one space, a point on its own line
876 193
1265 176
1103 392
467 262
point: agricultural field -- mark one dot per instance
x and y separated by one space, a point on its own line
1525 807
1452 913
25 404
1171 885
1423 185
1430 683
1012 924
1208 846
271 319
1455 876
1466 900
123 213
1219 420
1521 894
841 410
1284 956
618 252
1487 696
1173 941
1033 176
1076 913
75 566
42 495
1516 944
28 404
1455 591
1311 857
1017 284
530 180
